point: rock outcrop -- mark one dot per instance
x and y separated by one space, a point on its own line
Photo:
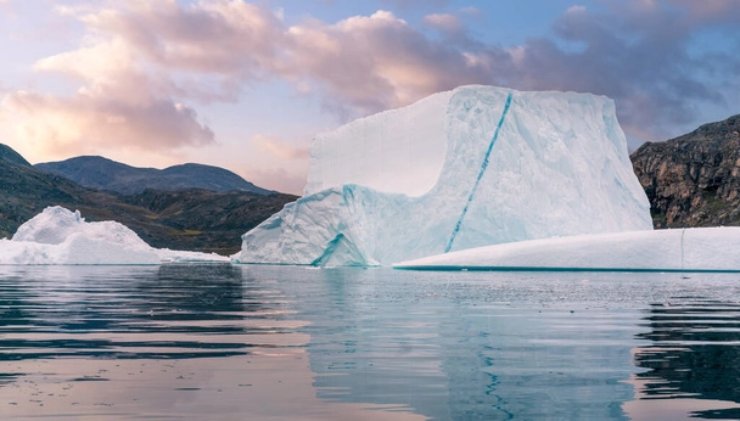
694 179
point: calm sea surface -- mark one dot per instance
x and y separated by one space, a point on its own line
230 342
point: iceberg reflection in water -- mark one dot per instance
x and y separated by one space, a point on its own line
295 343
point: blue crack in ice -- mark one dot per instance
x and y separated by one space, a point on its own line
481 172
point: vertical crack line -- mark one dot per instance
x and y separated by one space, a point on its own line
683 233
481 172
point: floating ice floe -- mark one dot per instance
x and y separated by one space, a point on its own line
58 236
691 249
471 167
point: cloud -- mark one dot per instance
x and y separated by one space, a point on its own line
415 4
278 179
85 122
119 105
144 67
227 38
280 148
696 12
444 22
140 68
648 67
360 64
369 63
471 11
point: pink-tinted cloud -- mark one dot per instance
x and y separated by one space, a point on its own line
145 66
120 104
369 63
280 148
87 122
360 64
694 12
222 37
415 4
444 21
278 179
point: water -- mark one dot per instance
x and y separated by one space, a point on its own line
223 342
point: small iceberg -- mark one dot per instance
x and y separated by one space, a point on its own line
692 249
58 236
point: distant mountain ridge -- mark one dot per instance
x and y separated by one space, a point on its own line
101 173
186 219
694 179
9 155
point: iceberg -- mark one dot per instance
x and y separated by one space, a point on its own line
470 167
58 236
690 249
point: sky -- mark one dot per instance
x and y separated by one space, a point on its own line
247 84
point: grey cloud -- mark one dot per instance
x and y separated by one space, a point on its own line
657 83
444 21
404 5
637 52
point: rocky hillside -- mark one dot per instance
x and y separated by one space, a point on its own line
694 179
192 219
101 173
204 220
7 154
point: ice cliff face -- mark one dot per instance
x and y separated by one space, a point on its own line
396 151
58 236
471 167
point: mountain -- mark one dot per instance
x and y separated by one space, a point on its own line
193 219
203 220
7 154
102 173
694 179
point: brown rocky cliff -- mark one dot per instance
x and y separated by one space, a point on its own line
694 179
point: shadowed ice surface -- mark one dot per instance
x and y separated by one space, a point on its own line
260 342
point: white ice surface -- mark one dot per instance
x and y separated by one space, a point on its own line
58 236
670 249
559 166
396 151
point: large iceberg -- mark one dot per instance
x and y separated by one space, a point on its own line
58 236
474 166
692 249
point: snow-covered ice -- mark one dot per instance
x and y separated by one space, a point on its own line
670 249
470 167
58 236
